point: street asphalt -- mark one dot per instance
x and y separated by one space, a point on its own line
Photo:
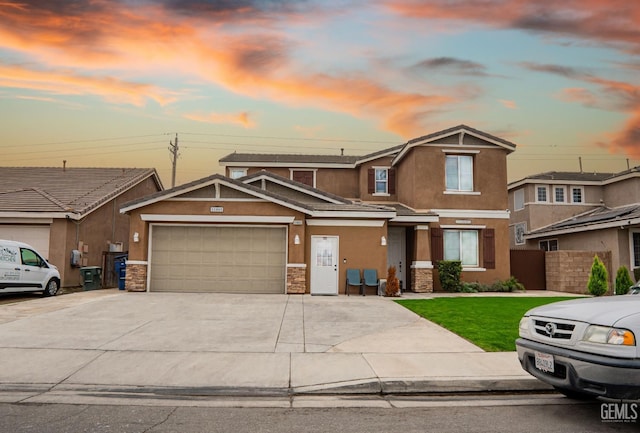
116 343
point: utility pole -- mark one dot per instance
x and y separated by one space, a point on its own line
173 148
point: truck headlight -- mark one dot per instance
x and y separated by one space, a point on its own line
524 326
607 335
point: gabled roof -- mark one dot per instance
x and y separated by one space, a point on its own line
577 177
61 192
461 131
331 207
599 218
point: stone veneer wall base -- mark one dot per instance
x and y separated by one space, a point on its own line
422 280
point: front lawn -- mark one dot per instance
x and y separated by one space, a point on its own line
490 323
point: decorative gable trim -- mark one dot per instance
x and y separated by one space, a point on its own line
461 131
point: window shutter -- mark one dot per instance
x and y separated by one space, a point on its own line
489 248
371 181
437 245
392 181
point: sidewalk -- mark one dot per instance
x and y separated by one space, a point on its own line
111 342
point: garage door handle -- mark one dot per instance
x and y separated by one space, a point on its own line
27 270
16 269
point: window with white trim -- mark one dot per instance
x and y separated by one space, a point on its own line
542 194
381 181
459 172
518 199
559 193
461 245
235 173
577 194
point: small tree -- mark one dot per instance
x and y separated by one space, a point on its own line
598 283
623 281
449 274
393 285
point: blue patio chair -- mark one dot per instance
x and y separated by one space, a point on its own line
353 279
370 279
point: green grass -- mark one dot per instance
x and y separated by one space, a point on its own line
490 323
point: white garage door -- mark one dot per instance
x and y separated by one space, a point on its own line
218 259
35 235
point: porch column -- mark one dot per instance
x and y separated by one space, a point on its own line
421 267
136 276
296 278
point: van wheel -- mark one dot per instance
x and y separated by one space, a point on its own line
51 288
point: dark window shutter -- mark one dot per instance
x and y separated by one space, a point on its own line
437 245
371 181
489 248
392 181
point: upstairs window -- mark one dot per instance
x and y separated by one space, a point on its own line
459 173
576 194
304 176
518 199
541 194
381 181
559 194
235 173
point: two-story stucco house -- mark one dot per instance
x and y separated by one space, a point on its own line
301 221
578 211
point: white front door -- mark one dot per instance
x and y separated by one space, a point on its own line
324 265
397 252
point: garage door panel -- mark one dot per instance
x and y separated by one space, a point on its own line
218 259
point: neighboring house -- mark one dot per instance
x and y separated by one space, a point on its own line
61 209
578 211
296 223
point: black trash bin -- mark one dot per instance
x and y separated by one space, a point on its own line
91 277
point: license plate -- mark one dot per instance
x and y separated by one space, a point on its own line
544 362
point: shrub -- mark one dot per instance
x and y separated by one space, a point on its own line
393 285
449 274
510 285
623 281
598 283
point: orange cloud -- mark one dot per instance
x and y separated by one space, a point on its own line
242 119
102 35
69 83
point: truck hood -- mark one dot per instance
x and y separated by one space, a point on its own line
600 311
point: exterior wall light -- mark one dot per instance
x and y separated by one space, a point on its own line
383 241
136 237
296 240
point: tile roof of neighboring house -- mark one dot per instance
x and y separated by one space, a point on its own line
288 158
575 176
70 190
600 217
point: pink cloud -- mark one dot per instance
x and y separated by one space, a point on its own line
508 104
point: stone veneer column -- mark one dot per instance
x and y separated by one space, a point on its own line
296 278
422 277
136 277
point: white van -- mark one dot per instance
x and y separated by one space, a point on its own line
22 269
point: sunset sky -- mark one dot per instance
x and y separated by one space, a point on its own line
109 83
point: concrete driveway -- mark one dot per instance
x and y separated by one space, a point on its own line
222 343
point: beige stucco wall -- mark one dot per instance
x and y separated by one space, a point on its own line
622 193
359 246
421 180
103 225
